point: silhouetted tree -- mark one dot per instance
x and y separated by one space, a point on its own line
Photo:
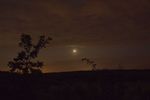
25 61
89 62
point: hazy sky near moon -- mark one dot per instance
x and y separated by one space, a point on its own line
110 32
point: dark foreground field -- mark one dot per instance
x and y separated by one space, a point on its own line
99 85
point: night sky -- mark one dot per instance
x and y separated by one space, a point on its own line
110 32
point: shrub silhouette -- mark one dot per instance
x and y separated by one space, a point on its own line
25 61
89 62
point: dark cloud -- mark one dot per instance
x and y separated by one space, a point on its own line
77 22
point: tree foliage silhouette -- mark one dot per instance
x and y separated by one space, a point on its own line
25 62
89 62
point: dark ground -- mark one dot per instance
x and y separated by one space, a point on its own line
98 85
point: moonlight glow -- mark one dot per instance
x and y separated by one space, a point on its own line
74 51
